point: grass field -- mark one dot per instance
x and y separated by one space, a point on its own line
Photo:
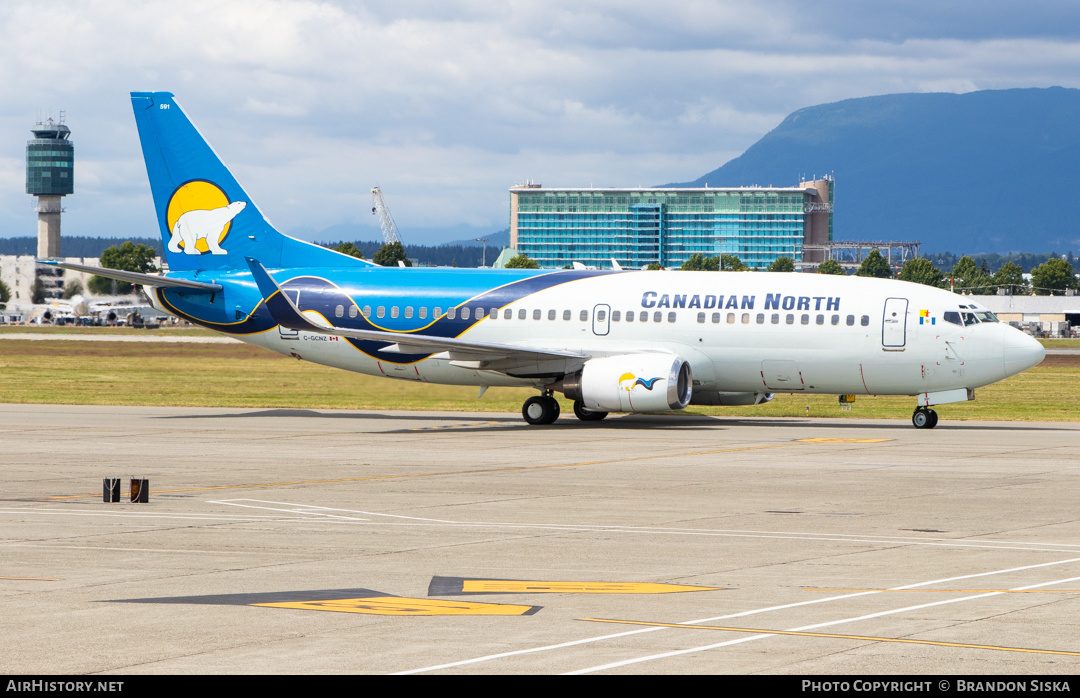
217 375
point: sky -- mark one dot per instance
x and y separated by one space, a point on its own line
445 104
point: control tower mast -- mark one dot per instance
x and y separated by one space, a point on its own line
50 170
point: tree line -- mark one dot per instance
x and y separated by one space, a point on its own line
1054 275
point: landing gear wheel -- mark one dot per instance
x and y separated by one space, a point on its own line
540 409
586 415
924 418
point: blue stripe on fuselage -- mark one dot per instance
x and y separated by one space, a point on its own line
322 290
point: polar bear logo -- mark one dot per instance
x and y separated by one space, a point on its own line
203 224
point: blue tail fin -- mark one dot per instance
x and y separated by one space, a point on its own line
207 220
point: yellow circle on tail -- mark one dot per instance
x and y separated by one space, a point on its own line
195 196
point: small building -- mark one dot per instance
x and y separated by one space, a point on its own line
1050 315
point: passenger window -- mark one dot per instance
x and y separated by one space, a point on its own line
790 319
536 314
615 314
508 314
408 311
380 312
367 311
393 311
820 319
644 316
953 317
451 313
731 318
865 320
850 320
629 315
584 316
805 319
657 316
601 315
761 318
566 315
671 316
421 312
701 318
716 318
551 315
746 318
522 314
436 313
836 319
352 311
339 311
493 313
776 318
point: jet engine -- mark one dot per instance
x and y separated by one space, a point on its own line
631 383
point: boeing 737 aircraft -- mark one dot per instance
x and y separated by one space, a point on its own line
611 341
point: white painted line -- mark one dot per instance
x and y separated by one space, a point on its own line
661 530
742 614
816 626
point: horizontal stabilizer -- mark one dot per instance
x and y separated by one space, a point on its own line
286 314
134 277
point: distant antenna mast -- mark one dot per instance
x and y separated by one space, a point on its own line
386 221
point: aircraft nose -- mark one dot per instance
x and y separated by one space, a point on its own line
1020 352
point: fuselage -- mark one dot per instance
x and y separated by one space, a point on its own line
741 332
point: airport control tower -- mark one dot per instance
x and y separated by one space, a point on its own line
50 175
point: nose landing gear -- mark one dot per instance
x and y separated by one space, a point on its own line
541 409
924 418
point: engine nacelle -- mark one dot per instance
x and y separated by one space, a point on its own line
632 383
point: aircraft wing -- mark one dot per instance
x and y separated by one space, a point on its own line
134 277
478 355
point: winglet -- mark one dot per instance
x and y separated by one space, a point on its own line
281 307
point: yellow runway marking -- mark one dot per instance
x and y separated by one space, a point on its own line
496 586
824 440
960 591
869 638
399 606
33 579
478 471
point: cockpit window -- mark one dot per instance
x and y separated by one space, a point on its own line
953 317
970 319
986 316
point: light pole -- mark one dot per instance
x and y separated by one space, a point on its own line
483 261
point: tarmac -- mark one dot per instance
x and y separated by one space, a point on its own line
316 542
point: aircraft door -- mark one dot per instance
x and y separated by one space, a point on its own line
894 324
601 320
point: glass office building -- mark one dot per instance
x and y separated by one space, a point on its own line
638 227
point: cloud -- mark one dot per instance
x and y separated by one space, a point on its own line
446 104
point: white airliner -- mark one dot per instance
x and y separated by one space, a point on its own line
612 341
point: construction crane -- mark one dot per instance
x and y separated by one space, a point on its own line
386 221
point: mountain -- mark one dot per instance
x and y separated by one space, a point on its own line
987 171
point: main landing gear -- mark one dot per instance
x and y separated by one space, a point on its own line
544 409
924 418
586 415
541 409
